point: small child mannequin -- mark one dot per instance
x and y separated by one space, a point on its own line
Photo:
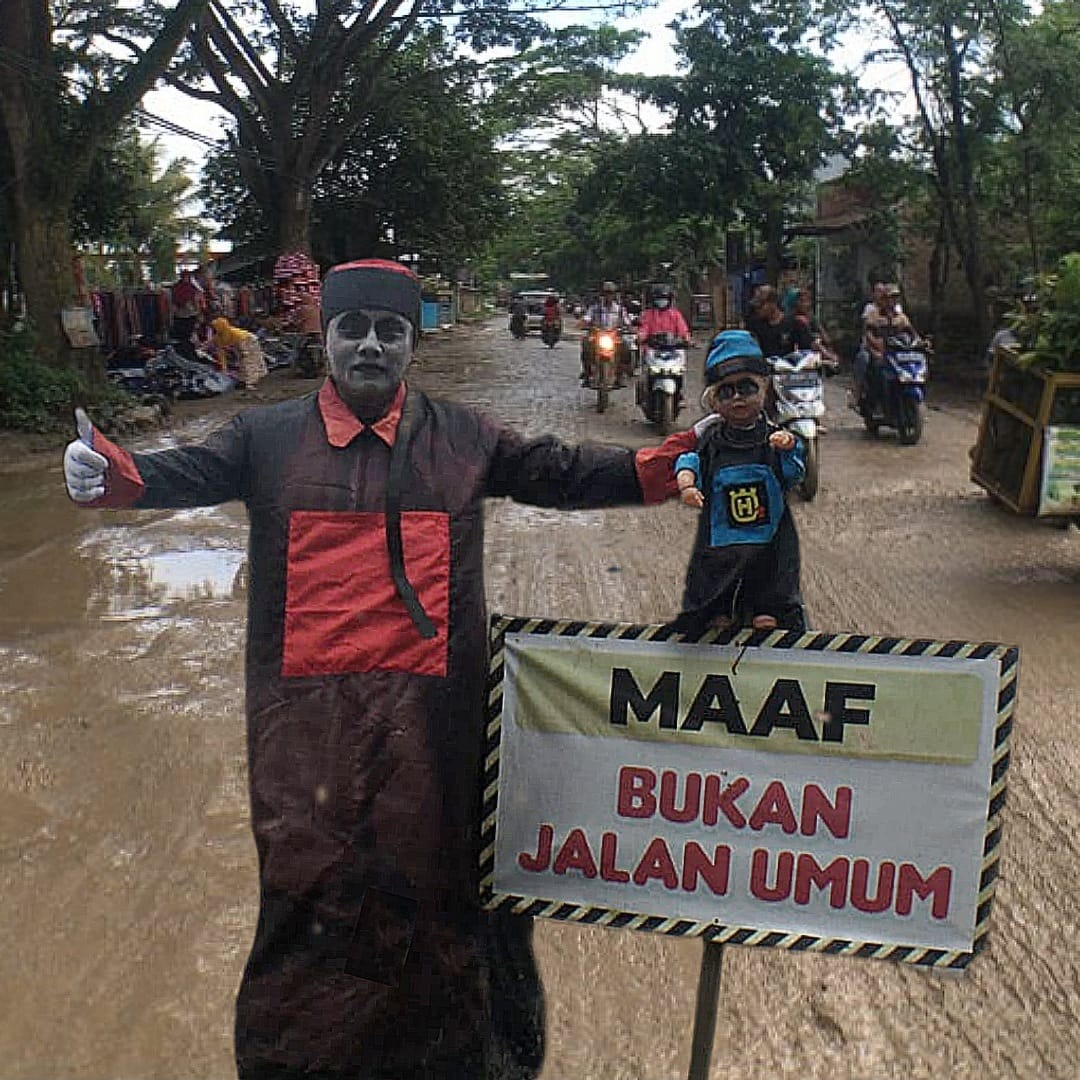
746 552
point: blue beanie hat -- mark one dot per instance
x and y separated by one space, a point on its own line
731 352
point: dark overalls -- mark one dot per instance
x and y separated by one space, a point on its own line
745 560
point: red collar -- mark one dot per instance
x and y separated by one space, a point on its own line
342 425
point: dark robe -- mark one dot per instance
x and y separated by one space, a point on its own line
371 957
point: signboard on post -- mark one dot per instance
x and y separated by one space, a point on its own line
1059 492
825 792
78 325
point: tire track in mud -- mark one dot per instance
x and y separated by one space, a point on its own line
899 541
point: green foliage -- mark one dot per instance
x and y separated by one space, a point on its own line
882 168
129 207
564 83
749 119
34 396
1049 330
421 169
1030 172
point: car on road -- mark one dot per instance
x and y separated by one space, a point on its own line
533 299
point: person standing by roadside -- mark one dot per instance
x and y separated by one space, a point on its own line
366 674
188 307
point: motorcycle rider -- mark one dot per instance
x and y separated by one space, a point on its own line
887 321
777 334
606 313
662 316
517 315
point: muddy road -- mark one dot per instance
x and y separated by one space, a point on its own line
126 865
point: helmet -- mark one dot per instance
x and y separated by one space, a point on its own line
658 294
609 287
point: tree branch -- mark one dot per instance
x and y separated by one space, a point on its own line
101 113
194 91
285 28
213 33
229 99
119 39
326 144
224 17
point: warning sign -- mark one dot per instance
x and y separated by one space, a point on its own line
832 792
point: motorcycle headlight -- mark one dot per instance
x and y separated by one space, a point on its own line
606 342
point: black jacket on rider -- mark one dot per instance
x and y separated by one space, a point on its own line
781 338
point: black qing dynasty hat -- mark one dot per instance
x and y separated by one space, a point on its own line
371 283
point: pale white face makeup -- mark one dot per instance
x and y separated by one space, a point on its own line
368 351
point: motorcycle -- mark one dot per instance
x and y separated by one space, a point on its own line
517 324
798 393
894 393
550 332
659 386
605 346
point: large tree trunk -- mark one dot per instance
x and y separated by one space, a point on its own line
1029 204
939 273
969 243
51 139
43 252
294 216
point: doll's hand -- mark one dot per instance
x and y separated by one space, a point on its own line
692 497
782 440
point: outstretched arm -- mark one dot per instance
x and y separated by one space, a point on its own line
547 472
100 474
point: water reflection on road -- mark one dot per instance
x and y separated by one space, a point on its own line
123 811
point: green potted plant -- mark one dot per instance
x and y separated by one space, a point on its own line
1034 392
1047 322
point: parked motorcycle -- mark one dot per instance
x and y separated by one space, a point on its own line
798 395
550 332
606 347
894 391
661 374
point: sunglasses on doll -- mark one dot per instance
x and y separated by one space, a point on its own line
743 388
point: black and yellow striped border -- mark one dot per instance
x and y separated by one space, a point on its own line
1008 658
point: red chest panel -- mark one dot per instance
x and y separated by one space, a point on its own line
342 612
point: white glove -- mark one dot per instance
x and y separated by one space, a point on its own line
84 467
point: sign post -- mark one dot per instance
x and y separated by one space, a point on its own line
708 994
833 793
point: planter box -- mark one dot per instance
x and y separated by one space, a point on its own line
1018 407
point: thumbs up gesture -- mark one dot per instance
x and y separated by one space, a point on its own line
84 467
